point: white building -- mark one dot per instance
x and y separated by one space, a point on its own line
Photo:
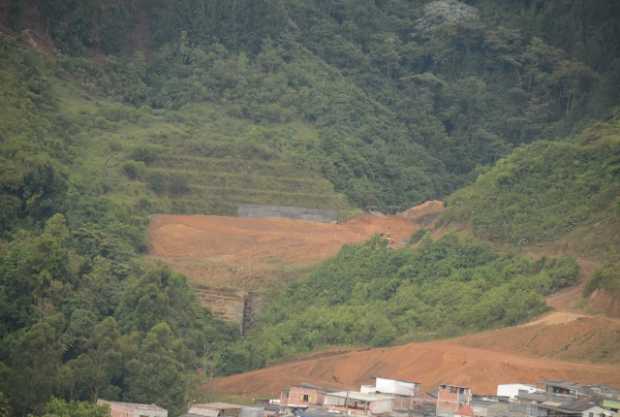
392 387
512 390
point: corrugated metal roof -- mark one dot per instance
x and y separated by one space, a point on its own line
136 406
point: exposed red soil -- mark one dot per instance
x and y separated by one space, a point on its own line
559 335
429 363
244 252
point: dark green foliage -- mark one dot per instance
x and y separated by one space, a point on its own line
373 295
409 99
81 317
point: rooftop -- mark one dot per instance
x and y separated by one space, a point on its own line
360 396
452 386
591 389
406 381
218 406
558 402
135 406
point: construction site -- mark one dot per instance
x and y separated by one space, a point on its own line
232 260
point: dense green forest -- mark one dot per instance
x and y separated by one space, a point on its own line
112 111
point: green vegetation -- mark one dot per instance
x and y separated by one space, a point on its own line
81 316
547 191
373 295
401 101
195 106
60 408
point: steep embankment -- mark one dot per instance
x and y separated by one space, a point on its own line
546 348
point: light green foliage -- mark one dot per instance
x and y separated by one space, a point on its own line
373 295
544 191
60 408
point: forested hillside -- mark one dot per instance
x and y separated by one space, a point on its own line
113 111
562 195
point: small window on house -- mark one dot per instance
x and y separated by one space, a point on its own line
307 398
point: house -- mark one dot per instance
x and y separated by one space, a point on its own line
511 391
454 401
219 409
122 409
358 403
550 404
597 411
302 396
407 395
565 388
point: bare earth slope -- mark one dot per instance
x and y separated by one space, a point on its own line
244 252
429 363
230 260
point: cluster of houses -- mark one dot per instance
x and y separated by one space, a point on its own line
397 398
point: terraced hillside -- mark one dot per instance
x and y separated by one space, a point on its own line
195 160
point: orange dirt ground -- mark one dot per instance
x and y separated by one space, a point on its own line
244 252
429 363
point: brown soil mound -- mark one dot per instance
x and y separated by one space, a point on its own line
429 363
559 335
244 252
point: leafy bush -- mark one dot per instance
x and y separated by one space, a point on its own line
133 170
373 295
541 192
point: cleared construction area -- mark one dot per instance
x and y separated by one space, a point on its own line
230 260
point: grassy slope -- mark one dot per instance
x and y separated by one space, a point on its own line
216 161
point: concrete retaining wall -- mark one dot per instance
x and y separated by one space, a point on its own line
315 215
